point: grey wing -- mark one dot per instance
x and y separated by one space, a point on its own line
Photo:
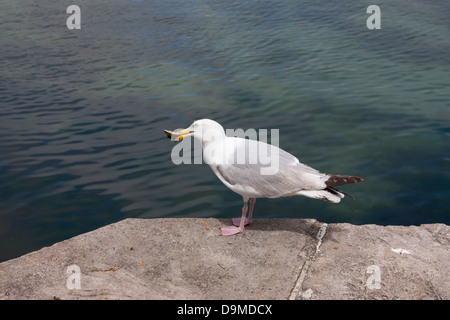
291 177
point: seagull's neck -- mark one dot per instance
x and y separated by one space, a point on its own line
214 148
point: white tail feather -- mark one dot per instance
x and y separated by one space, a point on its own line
330 196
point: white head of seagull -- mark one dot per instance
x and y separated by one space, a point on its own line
204 130
213 140
246 178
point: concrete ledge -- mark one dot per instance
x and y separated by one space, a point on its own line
272 259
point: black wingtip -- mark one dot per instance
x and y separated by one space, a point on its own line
337 180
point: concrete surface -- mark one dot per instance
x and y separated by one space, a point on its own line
272 259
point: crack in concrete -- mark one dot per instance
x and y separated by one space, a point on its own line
304 269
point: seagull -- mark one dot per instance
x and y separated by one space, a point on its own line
238 163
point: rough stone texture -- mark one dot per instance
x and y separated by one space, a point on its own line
272 259
409 262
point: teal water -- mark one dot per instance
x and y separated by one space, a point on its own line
82 112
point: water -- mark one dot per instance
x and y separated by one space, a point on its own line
83 111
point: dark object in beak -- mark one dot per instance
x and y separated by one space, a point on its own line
168 134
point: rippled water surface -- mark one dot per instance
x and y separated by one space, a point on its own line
83 111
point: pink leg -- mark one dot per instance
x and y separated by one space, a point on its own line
228 231
237 221
252 205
